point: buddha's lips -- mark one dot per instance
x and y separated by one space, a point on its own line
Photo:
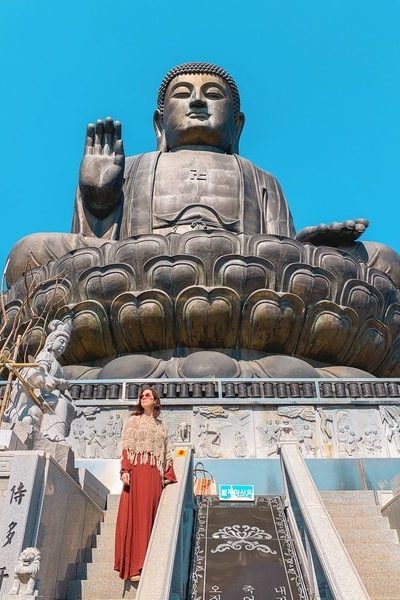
198 115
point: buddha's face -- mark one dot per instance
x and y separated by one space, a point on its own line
198 111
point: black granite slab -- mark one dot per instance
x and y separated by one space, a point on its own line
244 551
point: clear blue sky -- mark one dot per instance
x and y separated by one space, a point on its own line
319 80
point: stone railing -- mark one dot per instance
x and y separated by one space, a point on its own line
328 569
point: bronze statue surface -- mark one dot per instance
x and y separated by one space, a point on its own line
193 247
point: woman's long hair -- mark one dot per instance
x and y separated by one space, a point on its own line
138 408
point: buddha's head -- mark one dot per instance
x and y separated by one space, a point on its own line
198 106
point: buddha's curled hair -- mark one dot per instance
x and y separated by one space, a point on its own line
198 67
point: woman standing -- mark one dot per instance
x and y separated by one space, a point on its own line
146 466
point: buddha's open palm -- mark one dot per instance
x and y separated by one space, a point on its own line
333 234
102 167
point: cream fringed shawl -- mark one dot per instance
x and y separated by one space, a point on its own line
145 440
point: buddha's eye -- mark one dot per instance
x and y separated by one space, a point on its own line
181 92
214 93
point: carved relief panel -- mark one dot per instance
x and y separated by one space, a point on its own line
272 426
223 432
97 433
178 422
351 433
390 416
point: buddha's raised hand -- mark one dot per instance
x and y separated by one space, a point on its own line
102 167
334 234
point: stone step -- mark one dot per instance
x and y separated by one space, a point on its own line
361 536
105 542
385 587
348 522
374 552
389 571
349 497
99 569
85 590
365 510
106 527
366 563
112 501
102 590
110 518
96 555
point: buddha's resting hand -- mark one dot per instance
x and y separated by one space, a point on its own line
334 234
102 168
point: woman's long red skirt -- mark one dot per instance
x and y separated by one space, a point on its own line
136 513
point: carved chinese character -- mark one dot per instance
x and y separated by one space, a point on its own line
10 533
3 574
18 493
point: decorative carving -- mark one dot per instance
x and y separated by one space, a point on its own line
356 432
73 264
392 319
97 433
244 274
271 321
242 537
363 298
90 332
53 293
172 274
383 284
208 318
391 420
142 321
326 427
340 264
281 252
221 432
311 284
137 251
102 284
328 332
370 346
178 422
52 411
208 244
287 421
25 573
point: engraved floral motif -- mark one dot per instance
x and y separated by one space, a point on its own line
242 537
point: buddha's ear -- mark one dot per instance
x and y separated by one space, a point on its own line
159 131
239 124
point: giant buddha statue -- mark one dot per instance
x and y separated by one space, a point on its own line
185 261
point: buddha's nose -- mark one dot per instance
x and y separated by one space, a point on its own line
197 102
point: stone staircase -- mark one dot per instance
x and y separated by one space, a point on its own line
96 578
373 547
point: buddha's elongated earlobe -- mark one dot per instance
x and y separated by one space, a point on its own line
159 131
239 124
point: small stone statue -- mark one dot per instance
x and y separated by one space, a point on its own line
182 433
25 573
54 416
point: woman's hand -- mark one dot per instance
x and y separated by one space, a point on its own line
126 478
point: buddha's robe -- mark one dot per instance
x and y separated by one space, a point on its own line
164 192
175 191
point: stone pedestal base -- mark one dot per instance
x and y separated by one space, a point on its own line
9 440
60 451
